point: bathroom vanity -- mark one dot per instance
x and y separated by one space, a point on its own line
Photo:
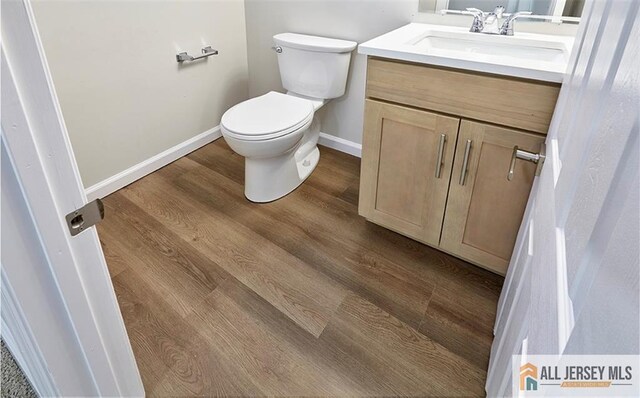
440 133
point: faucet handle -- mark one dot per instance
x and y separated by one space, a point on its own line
478 20
507 26
499 10
475 11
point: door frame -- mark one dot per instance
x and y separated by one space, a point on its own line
36 139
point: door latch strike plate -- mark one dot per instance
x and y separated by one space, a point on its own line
85 217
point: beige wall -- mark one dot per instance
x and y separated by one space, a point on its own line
356 20
123 95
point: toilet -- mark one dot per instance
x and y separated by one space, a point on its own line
278 133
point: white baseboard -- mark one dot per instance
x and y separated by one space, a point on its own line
133 173
340 144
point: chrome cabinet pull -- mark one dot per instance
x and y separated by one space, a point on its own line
440 160
537 158
465 162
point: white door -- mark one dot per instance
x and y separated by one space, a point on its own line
572 285
70 273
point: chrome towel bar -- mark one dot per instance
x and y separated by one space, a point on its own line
206 52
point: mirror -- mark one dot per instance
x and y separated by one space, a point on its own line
570 8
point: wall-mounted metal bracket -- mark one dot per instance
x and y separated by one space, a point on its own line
85 217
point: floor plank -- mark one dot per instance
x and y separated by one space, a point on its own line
432 369
175 269
172 357
298 297
244 339
457 318
117 261
334 363
304 294
314 239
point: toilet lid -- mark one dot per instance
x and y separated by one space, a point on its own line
273 114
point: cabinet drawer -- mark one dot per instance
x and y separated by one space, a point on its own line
519 103
406 165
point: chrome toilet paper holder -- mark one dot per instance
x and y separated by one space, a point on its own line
207 51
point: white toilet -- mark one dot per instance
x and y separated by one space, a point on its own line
278 133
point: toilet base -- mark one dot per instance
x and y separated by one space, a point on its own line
266 180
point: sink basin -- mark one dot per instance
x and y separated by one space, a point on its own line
525 55
501 48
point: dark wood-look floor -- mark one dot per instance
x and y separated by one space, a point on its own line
299 297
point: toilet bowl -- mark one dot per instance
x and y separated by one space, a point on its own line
278 133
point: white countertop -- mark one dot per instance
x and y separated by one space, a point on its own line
524 55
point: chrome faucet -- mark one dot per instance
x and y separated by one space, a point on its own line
491 20
488 22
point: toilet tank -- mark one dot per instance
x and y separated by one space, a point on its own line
313 66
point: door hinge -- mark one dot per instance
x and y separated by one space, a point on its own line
85 217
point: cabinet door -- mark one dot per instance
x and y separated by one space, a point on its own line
485 209
402 153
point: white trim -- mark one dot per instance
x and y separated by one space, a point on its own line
340 144
20 341
135 172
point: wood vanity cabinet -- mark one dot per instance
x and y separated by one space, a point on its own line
436 152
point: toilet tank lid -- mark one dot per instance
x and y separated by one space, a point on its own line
314 43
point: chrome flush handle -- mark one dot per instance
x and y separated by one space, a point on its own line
277 49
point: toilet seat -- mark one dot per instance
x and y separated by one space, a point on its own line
267 117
